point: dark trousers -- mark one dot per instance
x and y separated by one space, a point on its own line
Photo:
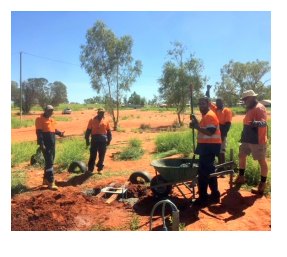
97 148
206 167
49 156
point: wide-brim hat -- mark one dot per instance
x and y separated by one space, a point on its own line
248 93
101 110
49 107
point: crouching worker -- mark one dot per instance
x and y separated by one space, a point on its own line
208 147
100 130
46 131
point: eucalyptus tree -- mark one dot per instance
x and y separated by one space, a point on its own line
108 61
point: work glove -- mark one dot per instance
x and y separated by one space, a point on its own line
62 134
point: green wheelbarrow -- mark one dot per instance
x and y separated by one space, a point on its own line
177 172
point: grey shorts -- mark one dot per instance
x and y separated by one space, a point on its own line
223 145
258 151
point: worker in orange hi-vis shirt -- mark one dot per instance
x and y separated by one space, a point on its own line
208 147
224 116
253 139
46 131
100 132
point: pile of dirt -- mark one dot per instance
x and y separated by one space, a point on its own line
138 191
64 210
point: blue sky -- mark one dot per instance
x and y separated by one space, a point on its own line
51 43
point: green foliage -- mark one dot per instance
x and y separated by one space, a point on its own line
136 99
22 152
78 107
18 182
237 77
165 154
177 141
17 123
69 150
177 75
238 110
108 61
134 223
40 91
61 118
133 151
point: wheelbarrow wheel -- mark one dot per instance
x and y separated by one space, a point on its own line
161 191
140 177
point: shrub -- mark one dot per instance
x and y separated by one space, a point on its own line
133 151
144 126
135 143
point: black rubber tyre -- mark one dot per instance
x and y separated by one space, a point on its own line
33 160
77 167
161 191
140 177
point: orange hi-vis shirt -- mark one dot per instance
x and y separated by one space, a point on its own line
257 135
45 124
224 115
209 120
98 127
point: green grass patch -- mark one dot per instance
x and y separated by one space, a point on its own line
17 123
61 118
180 142
22 152
133 151
18 182
69 150
165 154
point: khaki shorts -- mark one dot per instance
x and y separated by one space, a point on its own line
258 151
223 145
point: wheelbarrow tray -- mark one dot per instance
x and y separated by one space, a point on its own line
175 170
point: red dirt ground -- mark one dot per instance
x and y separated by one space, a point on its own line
70 208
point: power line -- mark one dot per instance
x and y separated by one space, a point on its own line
50 59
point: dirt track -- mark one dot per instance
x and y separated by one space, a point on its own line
70 209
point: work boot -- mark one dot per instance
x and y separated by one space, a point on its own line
240 180
52 186
214 197
260 189
89 172
200 202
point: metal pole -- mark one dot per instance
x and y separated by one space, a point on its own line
21 87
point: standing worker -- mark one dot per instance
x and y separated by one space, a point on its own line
46 131
253 139
224 116
208 146
100 130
